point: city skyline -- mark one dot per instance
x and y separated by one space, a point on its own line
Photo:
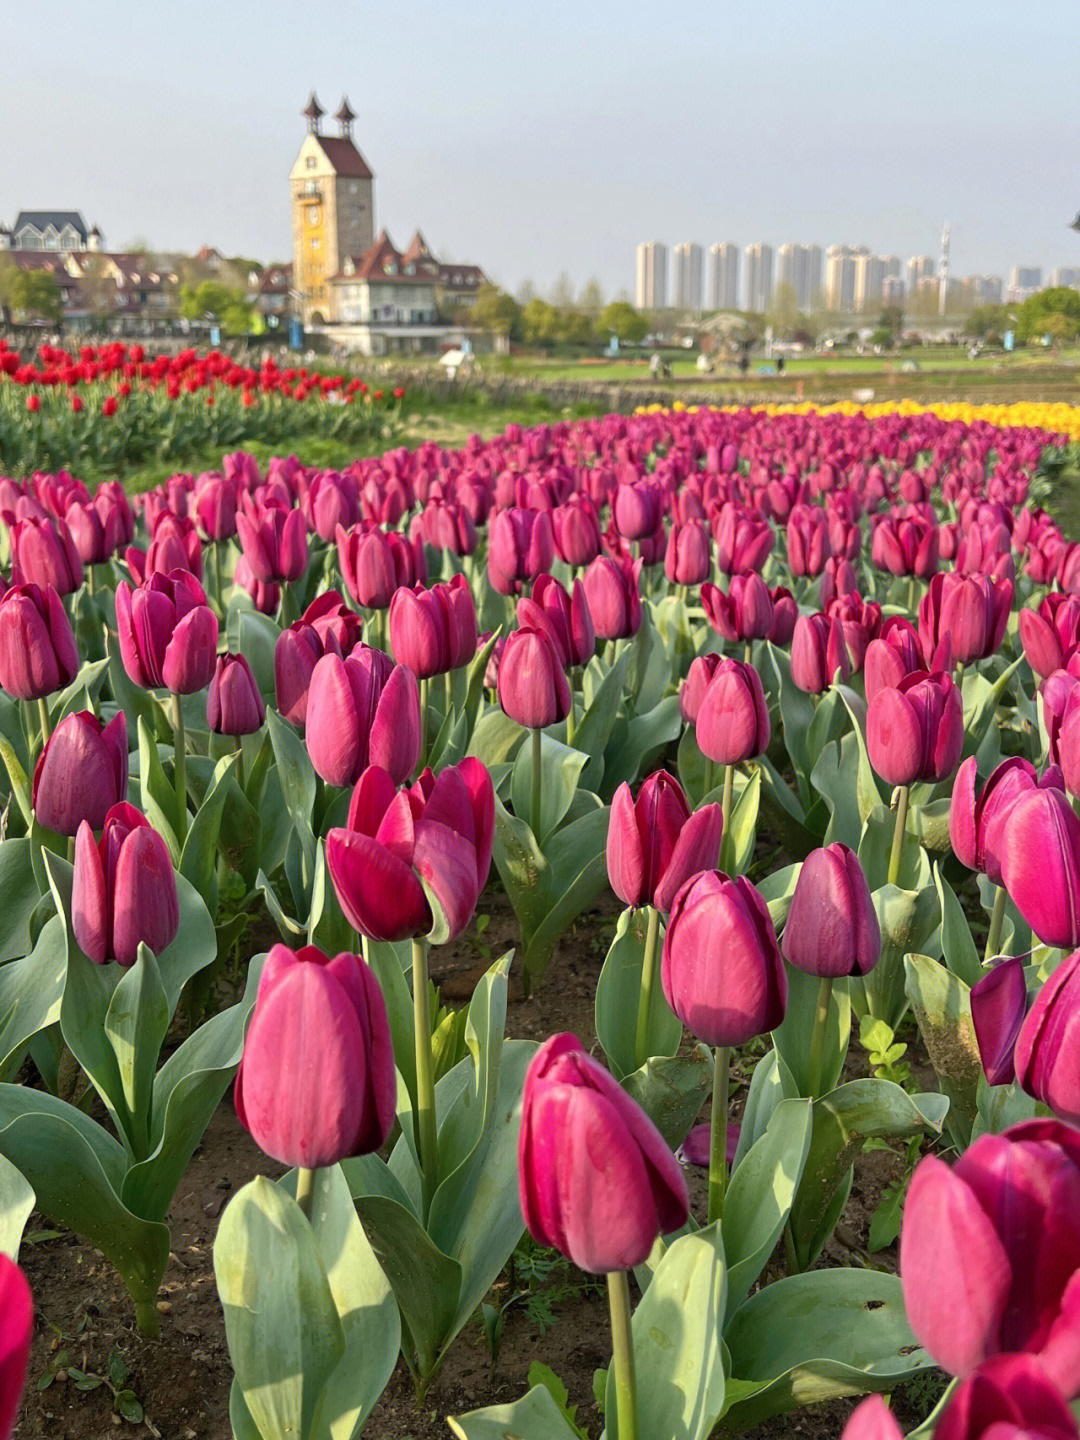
545 149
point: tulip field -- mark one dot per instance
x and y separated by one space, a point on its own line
577 934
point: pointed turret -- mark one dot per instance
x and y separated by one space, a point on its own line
345 117
314 112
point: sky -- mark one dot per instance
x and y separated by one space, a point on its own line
549 139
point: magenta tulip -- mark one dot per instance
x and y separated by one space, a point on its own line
872 1420
16 1334
1051 635
785 614
372 565
915 731
362 710
437 835
743 541
234 705
38 654
123 890
688 557
565 619
43 554
1047 1053
818 653
721 971
82 772
990 1252
597 1181
693 688
895 652
168 633
832 928
274 543
316 1082
533 688
733 718
998 1007
521 546
977 823
744 613
614 596
808 540
905 545
972 611
433 631
655 844
1040 865
577 531
1008 1397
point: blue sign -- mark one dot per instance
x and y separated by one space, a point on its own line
215 334
1009 340
296 334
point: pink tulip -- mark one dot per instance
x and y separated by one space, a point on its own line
655 843
16 1334
362 710
82 772
832 928
533 688
123 889
732 721
916 731
168 633
38 654
1040 865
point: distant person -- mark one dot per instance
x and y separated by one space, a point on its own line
744 363
779 365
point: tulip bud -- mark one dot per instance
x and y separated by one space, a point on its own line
989 1257
44 554
998 1007
808 540
785 614
521 546
533 688
1040 865
721 971
611 588
688 558
123 889
596 1179
817 653
916 731
692 690
744 613
832 928
977 824
971 610
38 654
433 631
316 1082
1047 1054
565 619
16 1334
168 633
274 543
362 710
655 844
296 653
733 719
82 773
576 531
234 705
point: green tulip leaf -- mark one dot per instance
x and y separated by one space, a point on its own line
327 925
157 796
677 1346
793 1037
594 729
1000 1106
297 778
21 897
875 848
560 771
770 1084
255 636
737 846
981 700
957 946
797 710
14 754
199 857
292 932
135 1026
940 1002
628 751
496 738
17 1201
777 890
814 1337
31 991
671 1090
908 919
536 1416
285 1335
617 994
855 1112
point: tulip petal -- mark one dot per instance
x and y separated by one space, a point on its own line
379 893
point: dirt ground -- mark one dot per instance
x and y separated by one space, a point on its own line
182 1380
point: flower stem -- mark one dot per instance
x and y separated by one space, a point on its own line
179 769
215 551
46 723
448 691
425 1084
718 1134
997 920
898 836
648 985
423 722
570 721
240 761
817 1038
622 1355
729 792
537 781
305 1189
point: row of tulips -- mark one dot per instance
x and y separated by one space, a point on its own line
329 776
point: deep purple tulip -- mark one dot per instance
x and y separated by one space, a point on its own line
38 654
597 1181
733 718
808 540
818 652
998 1007
1047 1055
521 546
533 688
614 596
990 1252
655 844
123 889
316 1082
721 971
832 928
16 1334
362 710
688 557
1040 865
915 731
168 633
82 772
234 705
433 631
437 835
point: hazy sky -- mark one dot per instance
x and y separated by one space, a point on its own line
556 137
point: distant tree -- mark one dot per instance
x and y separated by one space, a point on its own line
9 274
987 320
1033 317
214 301
591 299
526 291
622 320
35 292
562 294
574 327
539 322
496 312
892 320
783 313
97 290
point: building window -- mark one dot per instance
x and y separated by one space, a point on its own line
315 243
310 162
313 215
354 187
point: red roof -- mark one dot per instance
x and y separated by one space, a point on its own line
384 264
417 249
344 157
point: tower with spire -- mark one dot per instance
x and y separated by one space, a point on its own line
333 208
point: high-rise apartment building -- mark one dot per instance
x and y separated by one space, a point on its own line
723 277
892 290
919 267
840 264
687 277
759 277
800 267
651 291
1068 275
869 279
1027 278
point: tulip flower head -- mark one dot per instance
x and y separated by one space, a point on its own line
533 688
655 844
124 889
168 633
732 721
915 731
362 710
16 1334
597 1181
234 704
82 773
38 655
316 1082
832 928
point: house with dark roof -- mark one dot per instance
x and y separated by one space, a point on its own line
51 230
385 301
